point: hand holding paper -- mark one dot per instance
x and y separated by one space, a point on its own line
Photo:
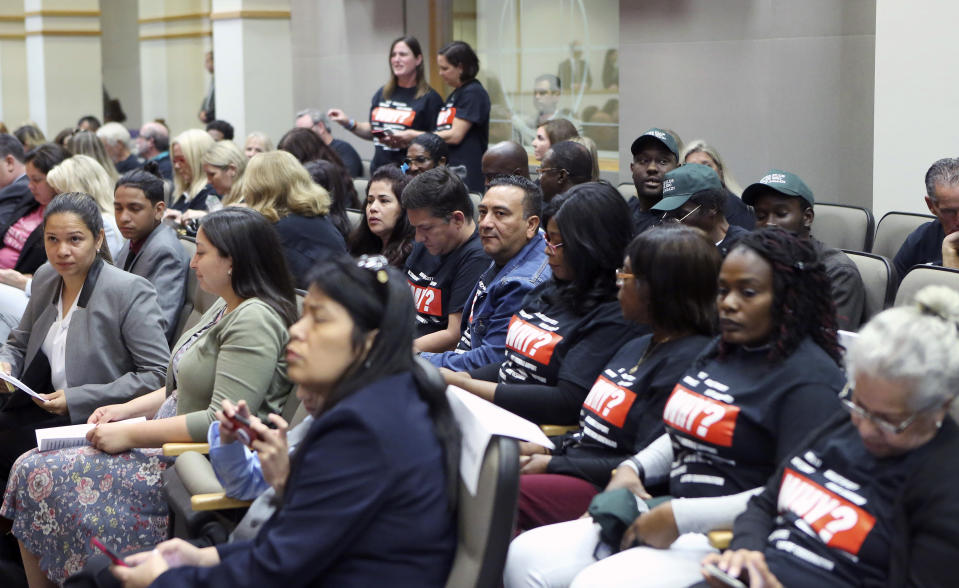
6 377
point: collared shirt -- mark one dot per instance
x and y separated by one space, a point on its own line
55 344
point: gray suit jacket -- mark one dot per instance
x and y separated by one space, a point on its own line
163 261
116 349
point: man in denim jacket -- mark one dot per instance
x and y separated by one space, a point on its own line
509 231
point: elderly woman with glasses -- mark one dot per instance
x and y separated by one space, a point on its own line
866 500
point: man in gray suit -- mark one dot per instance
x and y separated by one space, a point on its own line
152 250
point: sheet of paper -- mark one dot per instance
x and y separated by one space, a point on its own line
20 385
479 420
69 435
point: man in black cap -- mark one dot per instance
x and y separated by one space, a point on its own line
780 198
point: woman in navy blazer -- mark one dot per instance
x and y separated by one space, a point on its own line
368 497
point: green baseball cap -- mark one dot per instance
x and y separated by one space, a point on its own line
658 135
787 184
680 184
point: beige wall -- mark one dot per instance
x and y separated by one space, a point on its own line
120 49
771 83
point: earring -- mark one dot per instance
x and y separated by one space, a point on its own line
229 272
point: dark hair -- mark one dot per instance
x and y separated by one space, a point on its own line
802 293
575 159
596 227
711 199
460 53
681 267
388 309
532 194
225 128
91 120
559 130
441 191
85 207
10 145
147 180
305 145
259 269
62 136
422 87
45 157
340 187
435 147
400 243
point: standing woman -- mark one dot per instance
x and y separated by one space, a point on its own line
190 188
385 228
464 121
406 102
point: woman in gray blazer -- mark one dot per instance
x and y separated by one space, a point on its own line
91 334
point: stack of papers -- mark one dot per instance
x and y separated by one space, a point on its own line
69 435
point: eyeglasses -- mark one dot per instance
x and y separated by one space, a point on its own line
545 170
882 424
668 218
420 160
552 246
621 276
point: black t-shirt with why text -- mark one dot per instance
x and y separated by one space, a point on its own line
732 419
441 284
400 112
471 103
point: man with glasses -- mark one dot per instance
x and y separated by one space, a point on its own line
694 195
447 258
509 230
565 164
782 199
935 242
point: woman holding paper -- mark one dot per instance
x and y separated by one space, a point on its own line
235 352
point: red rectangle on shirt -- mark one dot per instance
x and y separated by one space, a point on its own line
428 300
839 523
445 117
531 341
609 401
393 116
700 416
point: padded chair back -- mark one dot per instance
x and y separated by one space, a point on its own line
876 273
486 521
628 190
893 229
921 276
843 227
197 300
360 186
366 169
476 198
355 216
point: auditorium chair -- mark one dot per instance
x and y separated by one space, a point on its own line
877 278
197 301
843 226
892 230
920 276
627 189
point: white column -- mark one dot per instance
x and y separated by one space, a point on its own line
14 107
254 73
64 67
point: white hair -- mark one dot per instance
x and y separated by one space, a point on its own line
114 132
914 344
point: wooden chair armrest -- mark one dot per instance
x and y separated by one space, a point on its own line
216 501
720 539
174 449
556 430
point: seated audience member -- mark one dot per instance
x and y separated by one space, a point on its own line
668 282
694 196
935 241
385 228
590 146
340 188
153 144
880 466
236 351
782 199
506 158
88 123
425 152
306 146
278 187
87 143
14 185
550 133
357 507
29 136
224 164
192 194
22 237
90 335
152 250
744 405
317 122
570 326
257 142
655 152
447 258
509 230
116 141
220 130
565 165
83 174
737 212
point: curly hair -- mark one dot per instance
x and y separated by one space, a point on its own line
802 294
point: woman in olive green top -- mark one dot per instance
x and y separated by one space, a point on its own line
59 499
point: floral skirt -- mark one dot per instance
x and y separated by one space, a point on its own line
58 500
